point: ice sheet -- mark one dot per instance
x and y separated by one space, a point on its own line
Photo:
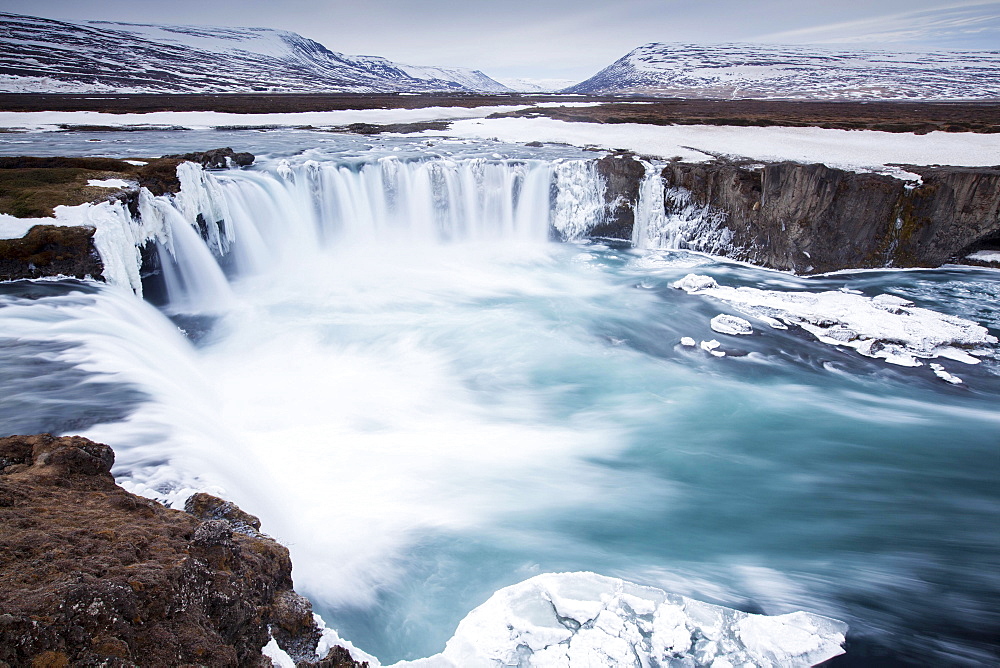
884 326
584 619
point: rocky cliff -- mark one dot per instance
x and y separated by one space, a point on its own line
93 575
813 218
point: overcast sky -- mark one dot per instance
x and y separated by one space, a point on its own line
570 39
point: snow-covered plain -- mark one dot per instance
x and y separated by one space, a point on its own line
845 149
861 150
206 120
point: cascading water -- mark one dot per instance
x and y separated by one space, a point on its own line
272 219
426 402
687 226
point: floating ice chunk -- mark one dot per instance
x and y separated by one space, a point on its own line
687 341
710 347
730 324
584 619
695 283
886 327
944 375
110 183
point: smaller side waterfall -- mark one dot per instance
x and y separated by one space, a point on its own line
668 218
577 199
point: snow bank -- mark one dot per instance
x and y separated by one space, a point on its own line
885 326
584 619
985 256
844 149
110 183
202 120
116 238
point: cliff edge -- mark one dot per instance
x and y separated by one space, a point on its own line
810 218
93 575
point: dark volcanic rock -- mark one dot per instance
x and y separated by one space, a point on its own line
813 219
622 175
93 575
51 250
219 158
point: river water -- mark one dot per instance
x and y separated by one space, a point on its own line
427 400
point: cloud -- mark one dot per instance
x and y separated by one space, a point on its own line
964 26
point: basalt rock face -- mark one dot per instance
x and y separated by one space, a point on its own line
622 175
50 250
93 575
813 218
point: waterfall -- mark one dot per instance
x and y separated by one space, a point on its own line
667 218
233 223
253 220
579 199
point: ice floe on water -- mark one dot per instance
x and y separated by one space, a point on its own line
712 348
558 620
885 327
944 375
730 324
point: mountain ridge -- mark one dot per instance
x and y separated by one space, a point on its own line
757 71
49 55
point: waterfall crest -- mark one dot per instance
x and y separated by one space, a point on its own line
242 222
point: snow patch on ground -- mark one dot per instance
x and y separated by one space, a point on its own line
201 120
862 150
115 238
110 183
885 327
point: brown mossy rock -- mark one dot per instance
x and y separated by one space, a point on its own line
207 507
93 575
51 250
337 657
159 177
31 187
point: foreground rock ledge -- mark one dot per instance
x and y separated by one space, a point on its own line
93 575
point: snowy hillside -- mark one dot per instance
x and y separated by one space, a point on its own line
529 85
797 72
43 55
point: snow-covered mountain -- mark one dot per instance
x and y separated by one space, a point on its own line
44 55
531 85
797 72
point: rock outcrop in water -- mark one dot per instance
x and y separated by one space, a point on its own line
93 575
814 218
